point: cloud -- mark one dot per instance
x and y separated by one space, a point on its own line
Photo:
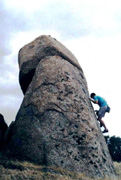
10 23
4 45
74 19
9 106
58 16
69 18
51 15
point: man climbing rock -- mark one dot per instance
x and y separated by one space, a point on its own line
103 109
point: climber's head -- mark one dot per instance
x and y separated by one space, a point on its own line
92 95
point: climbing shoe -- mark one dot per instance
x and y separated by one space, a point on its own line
105 131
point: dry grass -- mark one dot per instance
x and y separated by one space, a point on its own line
17 170
118 169
27 171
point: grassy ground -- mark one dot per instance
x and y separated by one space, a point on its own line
118 169
16 170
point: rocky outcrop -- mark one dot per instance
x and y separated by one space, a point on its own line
31 54
56 124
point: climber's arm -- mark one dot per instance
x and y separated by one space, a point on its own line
94 101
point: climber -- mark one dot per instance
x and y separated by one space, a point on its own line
103 109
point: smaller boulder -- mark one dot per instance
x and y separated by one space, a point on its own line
3 129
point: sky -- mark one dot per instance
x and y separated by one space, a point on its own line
91 30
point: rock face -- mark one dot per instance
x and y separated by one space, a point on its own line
56 124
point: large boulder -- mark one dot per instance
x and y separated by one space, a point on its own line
56 124
31 54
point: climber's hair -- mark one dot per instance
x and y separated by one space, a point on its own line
92 95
